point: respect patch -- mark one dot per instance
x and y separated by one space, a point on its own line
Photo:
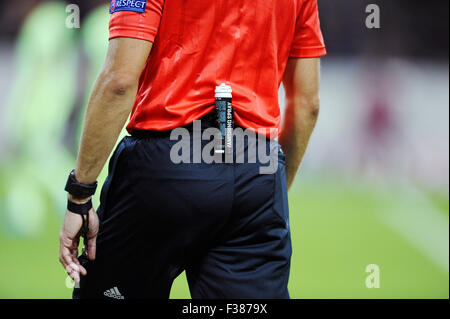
128 5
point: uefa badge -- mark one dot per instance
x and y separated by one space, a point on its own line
113 6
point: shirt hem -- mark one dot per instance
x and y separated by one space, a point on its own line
133 35
308 52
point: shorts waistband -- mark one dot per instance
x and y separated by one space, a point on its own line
208 120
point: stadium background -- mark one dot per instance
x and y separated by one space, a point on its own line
373 188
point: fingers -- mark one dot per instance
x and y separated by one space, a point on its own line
83 270
68 256
69 260
73 270
74 274
64 251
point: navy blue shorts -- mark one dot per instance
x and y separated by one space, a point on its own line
227 225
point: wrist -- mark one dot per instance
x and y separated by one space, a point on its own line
78 191
78 200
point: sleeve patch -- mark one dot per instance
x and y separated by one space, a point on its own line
128 5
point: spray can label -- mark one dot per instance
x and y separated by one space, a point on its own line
225 118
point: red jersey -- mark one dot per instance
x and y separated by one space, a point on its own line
199 44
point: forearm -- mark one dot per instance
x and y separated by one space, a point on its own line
299 121
109 107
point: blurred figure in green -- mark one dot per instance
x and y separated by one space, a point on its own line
46 96
42 92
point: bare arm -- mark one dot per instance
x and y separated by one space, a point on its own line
110 104
301 83
109 107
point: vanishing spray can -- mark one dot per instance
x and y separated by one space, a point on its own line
225 118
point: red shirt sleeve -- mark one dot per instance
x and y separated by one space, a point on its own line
143 26
308 40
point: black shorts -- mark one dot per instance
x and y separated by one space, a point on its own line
227 225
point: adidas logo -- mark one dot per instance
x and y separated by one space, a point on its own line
113 293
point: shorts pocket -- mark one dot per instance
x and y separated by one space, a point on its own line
113 162
280 205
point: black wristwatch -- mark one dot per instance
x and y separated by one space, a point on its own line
79 190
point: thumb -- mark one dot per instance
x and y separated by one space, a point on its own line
92 247
92 234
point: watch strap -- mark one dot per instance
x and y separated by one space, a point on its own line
77 189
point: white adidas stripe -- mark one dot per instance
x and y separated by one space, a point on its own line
113 293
